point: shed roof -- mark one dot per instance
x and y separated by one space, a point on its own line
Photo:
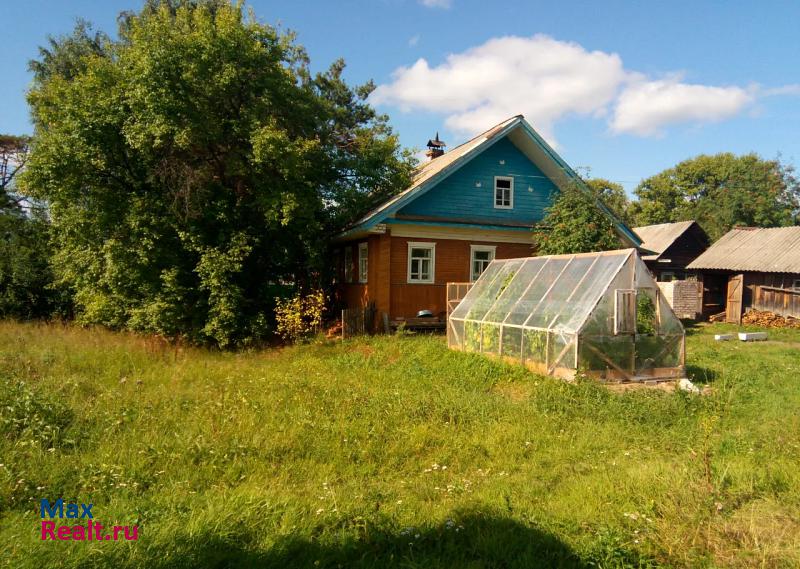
754 249
657 238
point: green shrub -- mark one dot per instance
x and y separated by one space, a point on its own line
300 316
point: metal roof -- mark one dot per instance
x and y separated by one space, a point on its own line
754 249
657 238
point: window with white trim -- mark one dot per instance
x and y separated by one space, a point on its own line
421 262
503 192
348 264
362 262
479 258
796 284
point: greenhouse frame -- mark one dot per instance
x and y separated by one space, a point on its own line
600 314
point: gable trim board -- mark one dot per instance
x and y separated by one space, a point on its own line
551 165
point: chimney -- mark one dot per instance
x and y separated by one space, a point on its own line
435 147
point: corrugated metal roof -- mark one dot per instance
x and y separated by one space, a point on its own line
773 250
657 238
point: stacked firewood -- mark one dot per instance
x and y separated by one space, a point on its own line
769 320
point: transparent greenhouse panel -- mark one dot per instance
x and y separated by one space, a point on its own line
588 291
534 346
455 333
512 342
561 351
555 300
533 294
490 343
510 296
668 322
654 352
612 355
472 336
489 294
601 320
477 289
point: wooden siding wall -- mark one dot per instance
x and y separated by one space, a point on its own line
782 301
452 265
457 196
777 280
387 274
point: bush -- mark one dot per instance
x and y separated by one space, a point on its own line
300 316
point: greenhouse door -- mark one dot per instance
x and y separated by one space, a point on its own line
733 305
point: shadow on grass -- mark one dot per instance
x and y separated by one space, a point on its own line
475 541
700 375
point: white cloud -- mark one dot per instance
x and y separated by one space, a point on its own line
540 77
646 107
413 40
547 80
436 3
785 90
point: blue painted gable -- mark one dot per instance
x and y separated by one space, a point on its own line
458 196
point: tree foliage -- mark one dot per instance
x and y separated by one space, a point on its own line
25 275
195 166
575 224
612 194
720 192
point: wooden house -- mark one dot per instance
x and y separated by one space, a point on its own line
752 267
465 207
668 248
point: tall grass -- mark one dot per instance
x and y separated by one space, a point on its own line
393 451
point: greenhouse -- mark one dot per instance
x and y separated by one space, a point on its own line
598 313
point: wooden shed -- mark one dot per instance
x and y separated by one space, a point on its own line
752 267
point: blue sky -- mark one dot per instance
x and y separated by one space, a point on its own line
625 89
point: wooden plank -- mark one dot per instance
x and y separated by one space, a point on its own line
733 305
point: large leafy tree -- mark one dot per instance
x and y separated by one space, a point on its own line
575 223
720 192
25 275
195 164
612 194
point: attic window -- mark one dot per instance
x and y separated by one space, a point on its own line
503 192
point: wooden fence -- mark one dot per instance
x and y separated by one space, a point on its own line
455 292
782 301
358 321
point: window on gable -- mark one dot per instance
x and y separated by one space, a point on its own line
362 262
503 192
421 261
480 257
348 264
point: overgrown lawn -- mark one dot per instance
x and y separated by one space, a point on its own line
394 451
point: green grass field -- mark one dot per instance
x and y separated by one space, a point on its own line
394 452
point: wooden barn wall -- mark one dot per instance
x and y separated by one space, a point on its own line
751 280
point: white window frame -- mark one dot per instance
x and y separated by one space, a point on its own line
348 264
491 249
363 262
421 245
510 190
